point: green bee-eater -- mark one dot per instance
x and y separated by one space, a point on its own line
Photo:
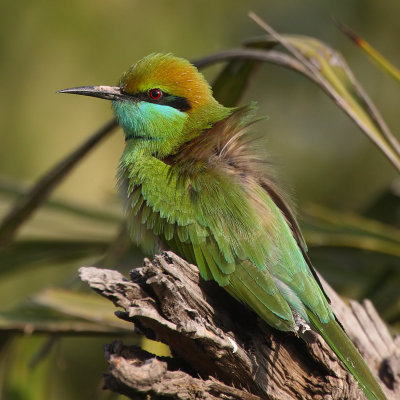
193 176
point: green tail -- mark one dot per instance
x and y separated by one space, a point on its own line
343 347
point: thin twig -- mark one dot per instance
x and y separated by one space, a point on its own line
41 190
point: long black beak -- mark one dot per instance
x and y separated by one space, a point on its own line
103 92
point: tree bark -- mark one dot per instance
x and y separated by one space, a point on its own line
222 350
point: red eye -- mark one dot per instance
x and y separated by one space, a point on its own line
155 94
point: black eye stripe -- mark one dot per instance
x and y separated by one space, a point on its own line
178 102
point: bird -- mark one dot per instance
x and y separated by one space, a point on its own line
193 176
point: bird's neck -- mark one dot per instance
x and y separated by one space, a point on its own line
143 165
139 167
160 130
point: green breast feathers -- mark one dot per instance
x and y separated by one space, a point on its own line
213 203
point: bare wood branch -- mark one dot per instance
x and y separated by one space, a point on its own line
137 374
222 349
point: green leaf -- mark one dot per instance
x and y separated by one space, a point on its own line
325 227
360 274
328 69
29 253
13 190
234 78
64 311
386 208
19 381
374 55
31 319
85 306
93 308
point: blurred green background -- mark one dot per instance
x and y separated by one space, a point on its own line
325 159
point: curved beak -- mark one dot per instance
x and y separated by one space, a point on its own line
102 92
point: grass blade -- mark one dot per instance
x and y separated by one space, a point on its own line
322 63
325 227
12 191
375 56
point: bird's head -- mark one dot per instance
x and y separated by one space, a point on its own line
161 102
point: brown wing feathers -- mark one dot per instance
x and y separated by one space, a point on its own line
229 146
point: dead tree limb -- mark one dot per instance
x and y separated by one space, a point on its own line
222 350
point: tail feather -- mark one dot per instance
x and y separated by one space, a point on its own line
343 347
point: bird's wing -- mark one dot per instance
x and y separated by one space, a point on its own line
217 209
253 244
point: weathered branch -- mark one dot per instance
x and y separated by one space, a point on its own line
224 351
135 372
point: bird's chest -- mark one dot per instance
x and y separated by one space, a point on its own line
153 197
192 211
